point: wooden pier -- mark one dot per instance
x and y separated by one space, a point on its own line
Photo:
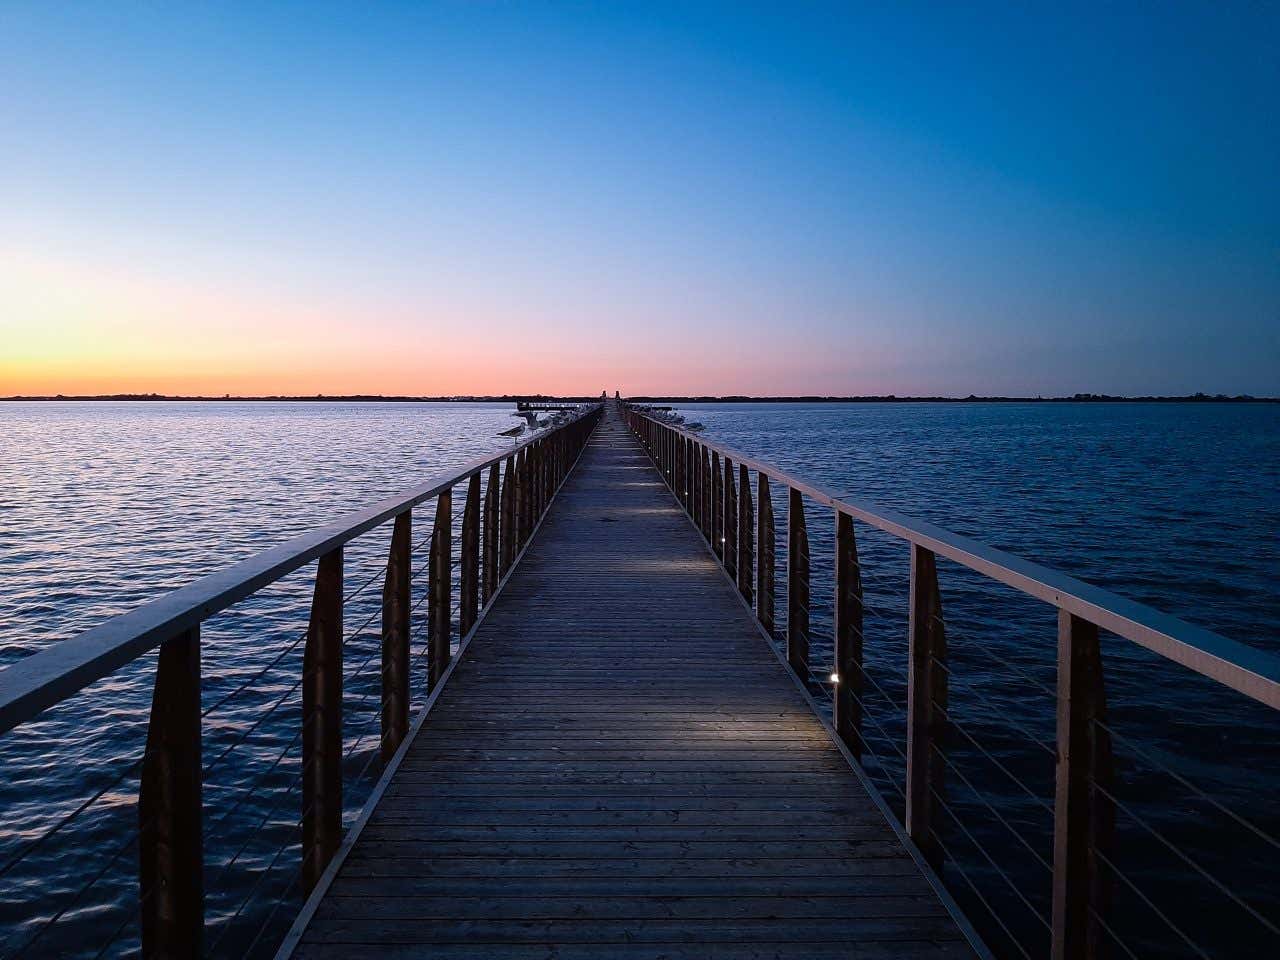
620 766
592 735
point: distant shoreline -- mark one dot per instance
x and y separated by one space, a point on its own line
536 398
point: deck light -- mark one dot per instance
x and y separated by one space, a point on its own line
835 678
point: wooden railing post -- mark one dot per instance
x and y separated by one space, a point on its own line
1083 818
507 522
746 534
797 585
847 703
469 574
717 509
489 581
687 474
395 637
926 703
696 472
170 819
439 619
540 466
730 520
322 723
766 560
522 499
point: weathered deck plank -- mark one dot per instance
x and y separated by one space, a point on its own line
619 767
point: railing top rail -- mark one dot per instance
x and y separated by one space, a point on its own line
1253 672
43 679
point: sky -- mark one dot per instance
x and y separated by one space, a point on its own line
489 197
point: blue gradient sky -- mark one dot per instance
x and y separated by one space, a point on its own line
486 197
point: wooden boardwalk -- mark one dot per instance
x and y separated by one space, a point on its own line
619 766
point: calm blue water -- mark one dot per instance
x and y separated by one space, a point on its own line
103 506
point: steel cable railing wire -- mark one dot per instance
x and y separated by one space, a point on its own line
261 778
954 768
1181 855
256 832
133 769
1115 937
970 640
1034 739
279 901
255 678
973 888
1197 791
1015 888
1137 891
955 724
377 574
130 917
992 710
133 838
229 924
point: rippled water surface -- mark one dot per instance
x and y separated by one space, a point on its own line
106 505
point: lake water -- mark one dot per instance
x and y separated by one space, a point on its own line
105 505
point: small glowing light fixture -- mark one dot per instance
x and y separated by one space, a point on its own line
722 539
835 678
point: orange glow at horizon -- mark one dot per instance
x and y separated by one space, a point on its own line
77 329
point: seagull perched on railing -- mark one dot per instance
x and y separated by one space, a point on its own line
531 419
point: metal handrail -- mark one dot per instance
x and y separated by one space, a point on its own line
1253 672
37 682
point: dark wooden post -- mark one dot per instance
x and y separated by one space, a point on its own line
688 474
489 581
522 499
797 585
730 520
322 723
746 534
717 508
170 819
708 490
539 468
540 481
439 619
507 523
926 703
395 637
469 575
1083 818
766 560
847 704
695 503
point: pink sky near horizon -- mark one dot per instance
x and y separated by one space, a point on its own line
92 328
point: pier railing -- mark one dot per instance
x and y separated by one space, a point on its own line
468 553
1075 918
